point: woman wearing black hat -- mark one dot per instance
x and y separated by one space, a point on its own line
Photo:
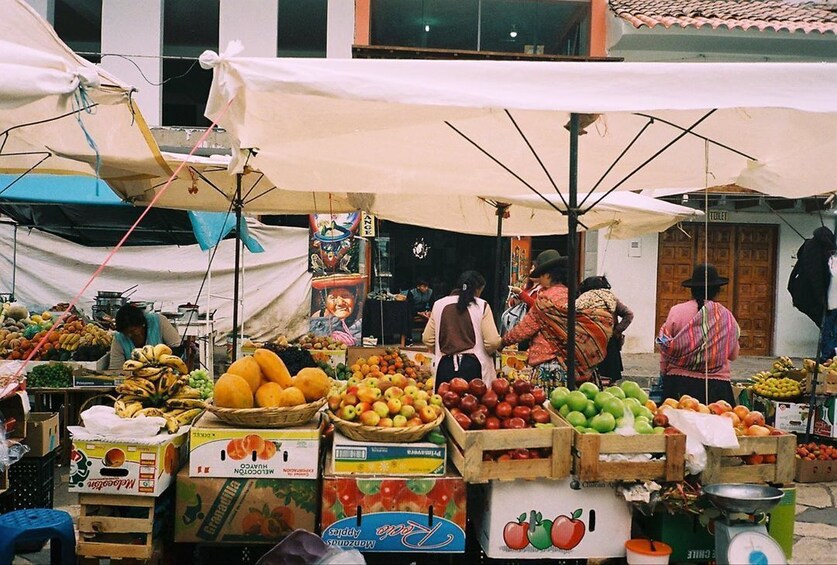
697 342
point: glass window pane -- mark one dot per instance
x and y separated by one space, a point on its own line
441 24
189 28
79 24
302 28
547 27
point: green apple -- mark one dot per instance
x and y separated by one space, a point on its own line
576 400
577 419
580 429
643 427
633 405
615 407
616 391
558 397
633 390
603 423
564 410
600 399
659 430
590 410
590 390
647 413
590 431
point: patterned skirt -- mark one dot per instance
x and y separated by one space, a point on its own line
549 376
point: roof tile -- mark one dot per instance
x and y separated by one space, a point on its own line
776 15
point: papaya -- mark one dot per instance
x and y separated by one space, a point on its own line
313 382
232 391
268 395
273 367
291 396
249 370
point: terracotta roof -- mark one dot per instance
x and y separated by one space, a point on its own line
776 15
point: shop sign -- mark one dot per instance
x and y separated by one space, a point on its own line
396 531
367 225
717 215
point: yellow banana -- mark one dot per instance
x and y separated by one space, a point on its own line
160 350
138 355
142 383
187 392
132 390
148 372
149 412
174 362
188 403
187 417
132 408
148 352
165 383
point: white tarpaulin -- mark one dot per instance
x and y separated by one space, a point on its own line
41 79
276 290
382 125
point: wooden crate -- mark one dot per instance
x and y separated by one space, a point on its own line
466 449
118 526
588 466
726 465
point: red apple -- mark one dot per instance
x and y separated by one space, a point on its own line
463 421
478 420
516 423
480 408
511 398
660 419
450 399
459 385
540 415
522 412
455 410
492 423
477 387
540 395
443 388
468 403
521 387
500 387
503 410
489 400
427 414
520 453
527 399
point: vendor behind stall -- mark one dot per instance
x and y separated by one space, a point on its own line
135 328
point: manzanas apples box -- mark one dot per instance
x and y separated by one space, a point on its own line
360 457
242 510
141 467
219 450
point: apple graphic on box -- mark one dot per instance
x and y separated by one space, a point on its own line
567 531
515 533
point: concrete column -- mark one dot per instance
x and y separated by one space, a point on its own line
253 22
45 9
136 28
340 28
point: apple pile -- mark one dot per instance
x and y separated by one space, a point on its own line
391 401
593 411
816 452
504 405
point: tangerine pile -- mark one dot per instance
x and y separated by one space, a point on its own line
390 363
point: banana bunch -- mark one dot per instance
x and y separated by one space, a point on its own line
158 385
69 341
94 335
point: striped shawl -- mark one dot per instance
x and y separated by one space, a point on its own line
703 345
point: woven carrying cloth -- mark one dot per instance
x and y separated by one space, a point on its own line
702 344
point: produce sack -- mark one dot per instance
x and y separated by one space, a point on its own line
702 430
103 421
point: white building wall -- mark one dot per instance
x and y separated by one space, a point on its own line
253 22
135 29
634 280
45 8
340 29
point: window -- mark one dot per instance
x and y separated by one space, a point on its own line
79 24
302 28
546 27
189 28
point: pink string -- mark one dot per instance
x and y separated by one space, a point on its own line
101 268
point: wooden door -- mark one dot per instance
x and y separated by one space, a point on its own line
746 254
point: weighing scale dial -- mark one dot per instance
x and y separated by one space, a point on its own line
755 548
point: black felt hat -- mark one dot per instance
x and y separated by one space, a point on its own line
705 275
546 260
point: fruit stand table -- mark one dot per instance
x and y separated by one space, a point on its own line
67 401
385 318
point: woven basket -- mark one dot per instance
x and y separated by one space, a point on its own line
359 432
267 417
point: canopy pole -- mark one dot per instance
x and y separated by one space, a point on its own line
499 268
14 263
237 204
572 247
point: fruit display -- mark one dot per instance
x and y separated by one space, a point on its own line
775 384
158 386
264 381
311 341
72 340
392 362
389 401
56 375
590 410
199 379
340 372
503 405
816 452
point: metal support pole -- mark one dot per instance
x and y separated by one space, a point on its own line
499 268
237 204
14 264
572 247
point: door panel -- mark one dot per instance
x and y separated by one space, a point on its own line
746 254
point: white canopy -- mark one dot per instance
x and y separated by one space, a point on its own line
41 80
382 125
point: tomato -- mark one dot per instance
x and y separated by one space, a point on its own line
514 533
567 531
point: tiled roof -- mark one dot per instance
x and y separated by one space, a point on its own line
775 15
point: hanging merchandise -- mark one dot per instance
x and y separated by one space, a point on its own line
421 248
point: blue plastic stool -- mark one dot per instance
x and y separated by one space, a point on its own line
38 524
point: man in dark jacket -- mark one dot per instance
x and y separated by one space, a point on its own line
811 276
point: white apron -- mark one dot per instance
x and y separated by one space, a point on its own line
475 310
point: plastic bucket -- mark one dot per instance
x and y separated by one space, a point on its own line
639 552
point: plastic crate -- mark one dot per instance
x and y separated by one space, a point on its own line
31 483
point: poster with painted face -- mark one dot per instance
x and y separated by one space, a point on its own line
333 248
337 307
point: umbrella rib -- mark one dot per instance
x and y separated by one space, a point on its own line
252 188
536 156
682 134
271 189
610 168
5 133
704 138
26 172
508 170
207 181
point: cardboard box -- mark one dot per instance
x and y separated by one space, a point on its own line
242 510
355 353
421 356
218 450
591 522
514 363
358 458
825 420
815 471
394 514
42 433
16 406
791 416
132 467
